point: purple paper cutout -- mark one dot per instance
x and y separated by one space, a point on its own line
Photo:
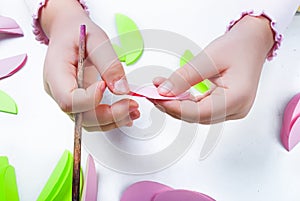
154 191
180 195
9 26
143 191
90 189
11 65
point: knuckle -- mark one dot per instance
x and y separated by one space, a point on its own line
107 110
46 88
65 106
242 114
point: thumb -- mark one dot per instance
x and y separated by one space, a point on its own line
103 56
73 100
195 71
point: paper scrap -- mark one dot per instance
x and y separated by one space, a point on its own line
131 40
201 86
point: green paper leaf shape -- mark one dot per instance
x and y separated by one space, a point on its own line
201 86
7 104
59 184
131 40
8 181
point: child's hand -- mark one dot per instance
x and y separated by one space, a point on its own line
233 63
60 20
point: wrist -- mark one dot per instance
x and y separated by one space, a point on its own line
59 13
257 33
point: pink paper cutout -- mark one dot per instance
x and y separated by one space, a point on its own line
180 195
293 138
290 130
151 92
9 26
90 189
11 65
153 191
143 191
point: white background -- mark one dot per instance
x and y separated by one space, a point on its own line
249 162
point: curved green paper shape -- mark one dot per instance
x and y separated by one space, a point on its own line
132 44
57 176
120 52
201 86
59 184
8 181
7 104
186 57
3 161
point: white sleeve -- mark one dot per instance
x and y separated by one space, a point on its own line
33 5
279 12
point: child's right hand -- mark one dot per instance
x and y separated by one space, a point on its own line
60 20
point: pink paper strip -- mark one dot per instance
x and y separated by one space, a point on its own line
151 92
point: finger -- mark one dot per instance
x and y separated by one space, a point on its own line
213 108
128 121
200 68
108 127
106 114
158 81
62 86
102 54
91 75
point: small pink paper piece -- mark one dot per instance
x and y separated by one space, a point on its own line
150 92
9 26
143 191
290 129
11 65
182 195
90 188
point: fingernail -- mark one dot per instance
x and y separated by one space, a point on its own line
156 80
121 86
129 124
134 115
133 106
165 87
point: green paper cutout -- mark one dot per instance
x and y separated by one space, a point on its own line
59 184
186 57
57 176
8 181
3 161
120 52
7 104
201 86
132 44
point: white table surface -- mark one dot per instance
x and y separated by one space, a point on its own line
249 162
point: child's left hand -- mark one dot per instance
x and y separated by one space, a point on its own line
233 63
